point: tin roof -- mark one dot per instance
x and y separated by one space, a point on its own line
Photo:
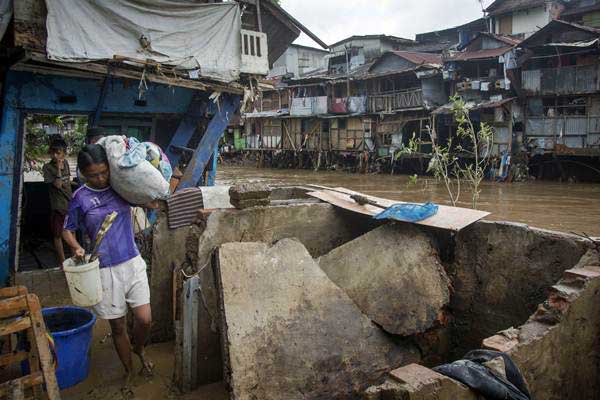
499 7
478 55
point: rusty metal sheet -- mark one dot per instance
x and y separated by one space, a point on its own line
183 207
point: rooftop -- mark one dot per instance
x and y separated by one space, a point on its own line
380 37
499 7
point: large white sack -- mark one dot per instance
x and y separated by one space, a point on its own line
139 184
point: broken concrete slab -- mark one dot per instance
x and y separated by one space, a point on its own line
250 203
394 276
415 382
290 333
249 191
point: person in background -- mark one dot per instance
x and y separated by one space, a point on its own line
122 269
57 174
94 134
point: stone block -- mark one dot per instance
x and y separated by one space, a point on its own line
415 382
290 333
249 191
250 203
395 277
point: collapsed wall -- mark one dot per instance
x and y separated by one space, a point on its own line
500 272
557 350
188 250
394 276
290 333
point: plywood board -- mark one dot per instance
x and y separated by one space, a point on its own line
448 218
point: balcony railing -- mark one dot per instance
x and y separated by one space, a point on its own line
388 103
565 80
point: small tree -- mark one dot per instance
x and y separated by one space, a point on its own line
445 164
479 142
444 167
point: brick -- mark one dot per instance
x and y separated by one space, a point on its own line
500 343
586 273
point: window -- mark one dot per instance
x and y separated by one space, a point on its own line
343 123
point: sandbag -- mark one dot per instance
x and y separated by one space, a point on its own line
132 175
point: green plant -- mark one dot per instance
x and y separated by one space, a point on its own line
476 144
479 142
37 140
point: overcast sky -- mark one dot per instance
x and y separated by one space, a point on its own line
333 20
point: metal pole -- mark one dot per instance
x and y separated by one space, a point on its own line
212 174
258 16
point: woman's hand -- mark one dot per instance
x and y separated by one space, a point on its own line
153 205
79 253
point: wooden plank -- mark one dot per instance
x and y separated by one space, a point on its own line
99 68
13 306
13 357
14 325
448 218
26 381
41 347
12 291
191 307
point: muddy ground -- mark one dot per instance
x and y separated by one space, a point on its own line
105 381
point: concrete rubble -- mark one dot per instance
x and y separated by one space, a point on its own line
290 333
249 195
340 301
394 276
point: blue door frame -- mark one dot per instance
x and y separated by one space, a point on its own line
25 92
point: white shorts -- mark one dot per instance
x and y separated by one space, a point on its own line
123 284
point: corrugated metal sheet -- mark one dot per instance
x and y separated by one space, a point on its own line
574 142
593 139
543 126
575 126
319 105
564 80
183 206
301 107
532 81
271 142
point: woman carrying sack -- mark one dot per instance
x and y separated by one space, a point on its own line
122 269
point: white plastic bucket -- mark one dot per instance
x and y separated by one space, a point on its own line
84 282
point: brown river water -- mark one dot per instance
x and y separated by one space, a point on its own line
567 207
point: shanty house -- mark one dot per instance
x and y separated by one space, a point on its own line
139 81
560 80
482 75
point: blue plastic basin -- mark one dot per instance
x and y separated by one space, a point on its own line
71 328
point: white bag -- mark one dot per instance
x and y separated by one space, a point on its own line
138 184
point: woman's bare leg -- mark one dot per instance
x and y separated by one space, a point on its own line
142 322
122 345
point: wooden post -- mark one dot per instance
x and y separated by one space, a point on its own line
190 333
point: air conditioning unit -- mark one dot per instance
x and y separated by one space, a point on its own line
255 53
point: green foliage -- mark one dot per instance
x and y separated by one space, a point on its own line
413 180
37 141
475 143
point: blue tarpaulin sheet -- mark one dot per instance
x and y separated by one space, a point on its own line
408 212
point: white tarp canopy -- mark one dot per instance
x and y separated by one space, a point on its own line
6 11
180 33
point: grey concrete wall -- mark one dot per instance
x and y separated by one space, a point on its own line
500 273
320 227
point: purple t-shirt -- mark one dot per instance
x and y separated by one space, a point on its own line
88 208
